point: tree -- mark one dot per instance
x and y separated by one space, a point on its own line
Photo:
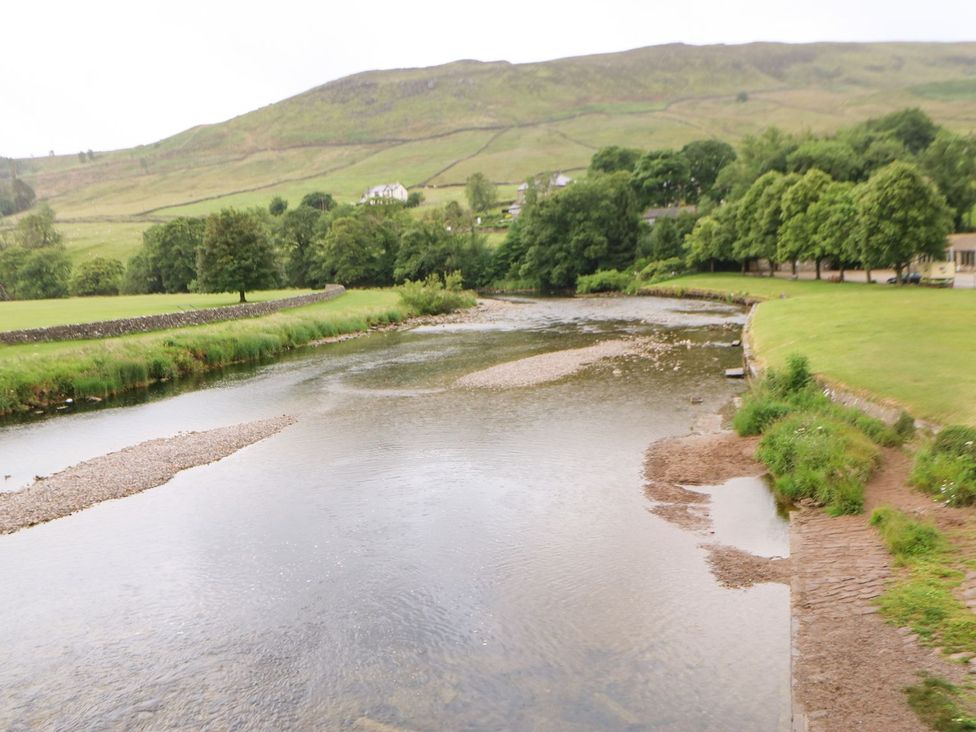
912 127
591 225
901 216
141 275
296 234
835 158
613 158
759 217
706 158
796 235
98 276
236 254
360 248
37 229
713 237
15 196
661 178
833 225
950 161
11 261
480 192
319 200
44 274
414 199
277 206
172 252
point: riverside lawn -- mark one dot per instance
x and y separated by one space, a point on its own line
910 346
33 375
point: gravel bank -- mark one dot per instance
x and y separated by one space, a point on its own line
127 471
552 366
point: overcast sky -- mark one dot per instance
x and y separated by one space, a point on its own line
106 74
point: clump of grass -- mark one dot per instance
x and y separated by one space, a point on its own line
905 537
821 458
433 296
941 705
946 468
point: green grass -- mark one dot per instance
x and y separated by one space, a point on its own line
34 375
942 706
20 314
910 346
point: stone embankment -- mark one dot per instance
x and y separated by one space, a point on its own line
145 323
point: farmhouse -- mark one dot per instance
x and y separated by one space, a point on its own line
556 181
385 193
962 251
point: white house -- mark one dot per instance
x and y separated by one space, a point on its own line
556 180
385 193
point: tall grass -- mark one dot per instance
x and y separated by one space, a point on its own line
106 368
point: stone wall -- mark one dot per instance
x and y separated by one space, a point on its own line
145 323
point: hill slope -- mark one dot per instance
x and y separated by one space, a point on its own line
435 126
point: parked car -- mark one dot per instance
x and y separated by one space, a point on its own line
912 278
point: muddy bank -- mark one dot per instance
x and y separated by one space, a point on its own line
127 471
559 364
708 459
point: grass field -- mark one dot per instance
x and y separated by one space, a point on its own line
908 345
33 375
19 314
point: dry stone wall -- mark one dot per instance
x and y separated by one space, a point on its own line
145 323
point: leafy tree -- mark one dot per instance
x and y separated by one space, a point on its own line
277 206
614 158
172 252
832 220
713 241
37 229
15 196
797 238
480 192
414 199
98 276
45 273
901 215
11 262
432 246
236 254
912 127
759 217
950 161
662 178
141 274
591 225
297 232
667 236
706 158
319 200
360 248
837 159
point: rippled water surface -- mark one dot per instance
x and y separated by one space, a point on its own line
408 554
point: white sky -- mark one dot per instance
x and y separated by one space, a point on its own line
106 74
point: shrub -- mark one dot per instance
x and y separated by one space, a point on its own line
947 467
433 297
603 281
98 276
757 413
821 458
661 269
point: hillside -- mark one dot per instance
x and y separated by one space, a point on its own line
433 127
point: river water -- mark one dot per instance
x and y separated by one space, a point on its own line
409 555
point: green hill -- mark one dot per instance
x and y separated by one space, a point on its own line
430 128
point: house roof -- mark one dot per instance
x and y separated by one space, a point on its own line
963 242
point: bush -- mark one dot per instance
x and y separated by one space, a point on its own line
947 467
757 413
904 536
603 281
433 297
821 458
661 269
98 276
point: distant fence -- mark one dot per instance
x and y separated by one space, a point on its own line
146 323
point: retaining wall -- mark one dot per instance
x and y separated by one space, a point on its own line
146 323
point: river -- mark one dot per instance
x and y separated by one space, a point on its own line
409 555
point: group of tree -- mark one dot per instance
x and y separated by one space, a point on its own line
15 196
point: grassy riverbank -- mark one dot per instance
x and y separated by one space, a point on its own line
21 314
36 375
908 345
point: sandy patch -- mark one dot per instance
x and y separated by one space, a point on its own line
736 569
127 471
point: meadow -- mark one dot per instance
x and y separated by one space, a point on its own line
910 346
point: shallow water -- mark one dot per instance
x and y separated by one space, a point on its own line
408 553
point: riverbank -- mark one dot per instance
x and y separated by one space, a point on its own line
39 376
126 472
